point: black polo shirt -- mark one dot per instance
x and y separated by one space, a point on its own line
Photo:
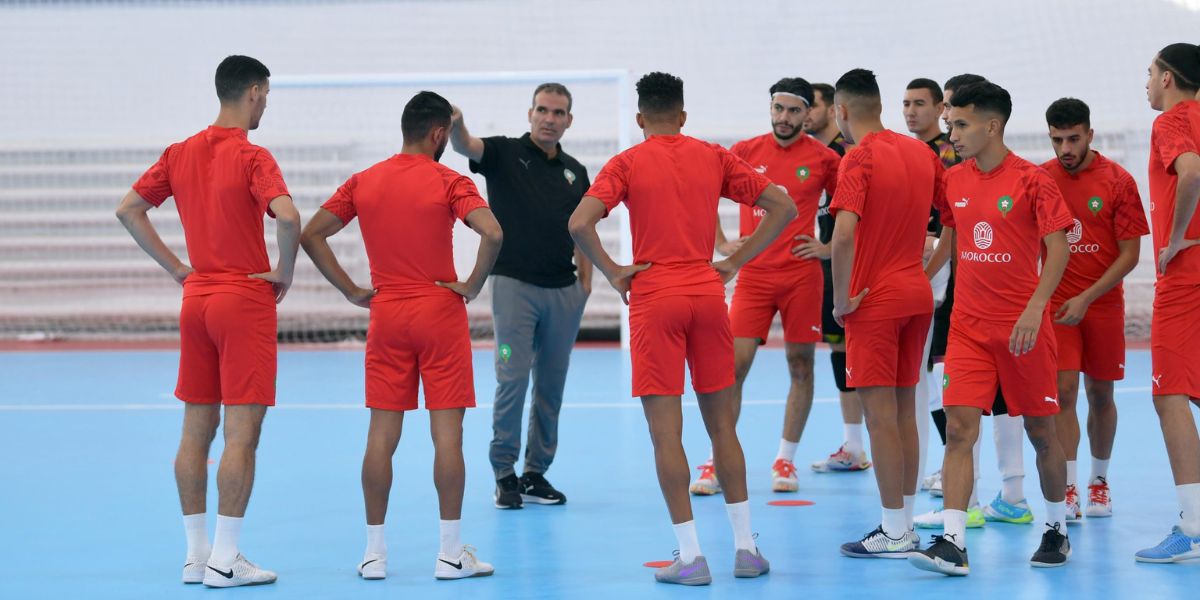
533 197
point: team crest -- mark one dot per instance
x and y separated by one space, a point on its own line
1095 204
570 176
1005 204
803 173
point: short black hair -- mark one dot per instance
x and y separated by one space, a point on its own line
1183 61
423 112
825 90
659 93
236 74
858 82
922 83
959 81
794 85
1066 113
554 88
984 95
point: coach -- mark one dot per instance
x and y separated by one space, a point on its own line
537 300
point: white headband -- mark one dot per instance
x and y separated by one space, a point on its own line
791 95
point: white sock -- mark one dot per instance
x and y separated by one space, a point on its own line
1012 489
909 503
710 455
451 542
853 439
225 541
1189 505
1099 469
375 542
739 518
194 526
1072 473
956 527
689 544
787 450
893 523
1056 514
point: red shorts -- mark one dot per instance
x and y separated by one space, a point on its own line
1096 346
1175 341
227 350
978 359
886 352
759 295
425 338
666 331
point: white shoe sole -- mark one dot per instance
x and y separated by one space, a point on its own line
785 485
452 576
538 500
937 565
697 490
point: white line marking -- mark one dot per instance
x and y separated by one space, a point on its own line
176 405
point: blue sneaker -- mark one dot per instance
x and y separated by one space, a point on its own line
1002 511
1174 548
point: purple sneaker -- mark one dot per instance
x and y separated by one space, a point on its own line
750 564
694 573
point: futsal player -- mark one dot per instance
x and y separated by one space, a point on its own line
1009 505
851 455
671 183
222 185
1175 330
1000 333
778 281
1089 304
885 188
406 206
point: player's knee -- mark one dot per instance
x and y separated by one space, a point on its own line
800 365
1100 394
1068 390
961 433
1041 432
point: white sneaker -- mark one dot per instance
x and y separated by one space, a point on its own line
373 566
463 566
927 483
241 572
193 569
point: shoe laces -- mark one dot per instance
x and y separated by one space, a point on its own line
1050 539
1098 492
1072 495
784 467
469 550
707 471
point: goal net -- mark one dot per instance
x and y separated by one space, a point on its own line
68 270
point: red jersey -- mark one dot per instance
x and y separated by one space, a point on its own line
803 169
406 206
1104 201
671 185
1000 218
889 181
1176 132
222 186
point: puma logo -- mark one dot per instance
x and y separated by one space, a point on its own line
848 373
524 162
815 328
1155 380
1050 400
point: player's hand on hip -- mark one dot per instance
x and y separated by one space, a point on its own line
810 247
725 269
728 248
840 311
361 296
180 273
1166 255
622 278
460 288
1072 311
1025 332
281 282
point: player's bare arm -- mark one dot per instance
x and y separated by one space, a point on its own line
315 241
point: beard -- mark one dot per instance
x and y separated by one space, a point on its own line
793 133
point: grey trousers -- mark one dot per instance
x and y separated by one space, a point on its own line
535 329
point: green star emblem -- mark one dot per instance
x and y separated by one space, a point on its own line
1095 204
803 173
1005 204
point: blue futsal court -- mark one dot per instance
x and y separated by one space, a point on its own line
90 508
